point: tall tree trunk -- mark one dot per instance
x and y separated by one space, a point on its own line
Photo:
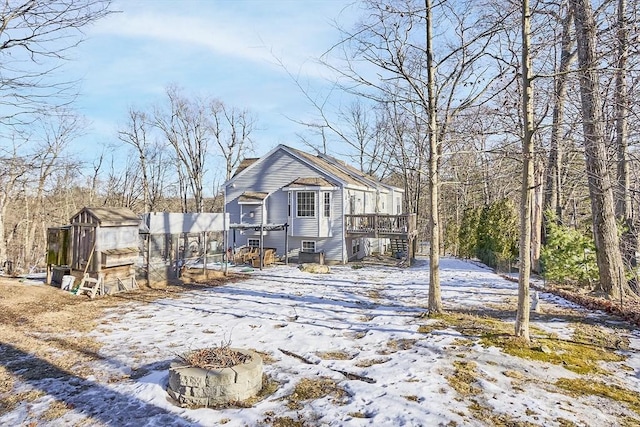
3 241
537 217
522 317
609 259
623 193
435 294
553 194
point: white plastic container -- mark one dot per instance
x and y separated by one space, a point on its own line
67 283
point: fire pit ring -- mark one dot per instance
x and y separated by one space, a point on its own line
192 386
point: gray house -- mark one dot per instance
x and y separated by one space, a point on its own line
302 204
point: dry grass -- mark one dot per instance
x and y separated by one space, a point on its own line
394 346
374 294
267 358
464 378
316 388
9 402
334 355
46 328
370 362
581 387
56 410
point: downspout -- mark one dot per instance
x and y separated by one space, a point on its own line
225 232
262 215
344 227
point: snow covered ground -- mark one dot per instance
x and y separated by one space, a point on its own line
371 317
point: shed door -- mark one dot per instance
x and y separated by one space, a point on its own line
83 245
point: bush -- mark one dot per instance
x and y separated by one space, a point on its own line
490 233
497 234
468 232
569 256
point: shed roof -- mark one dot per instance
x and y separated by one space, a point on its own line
107 216
252 197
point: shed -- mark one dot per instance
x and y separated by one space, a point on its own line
104 241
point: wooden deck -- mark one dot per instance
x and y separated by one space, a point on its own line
381 225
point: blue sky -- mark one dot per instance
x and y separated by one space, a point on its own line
220 48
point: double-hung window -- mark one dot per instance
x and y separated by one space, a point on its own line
306 204
308 246
327 204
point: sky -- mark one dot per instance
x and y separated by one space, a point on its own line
241 52
371 315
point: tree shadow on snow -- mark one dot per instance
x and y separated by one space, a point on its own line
95 401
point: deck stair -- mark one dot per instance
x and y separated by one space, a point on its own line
399 247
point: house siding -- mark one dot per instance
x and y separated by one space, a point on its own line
271 176
273 173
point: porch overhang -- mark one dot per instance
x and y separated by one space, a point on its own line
264 227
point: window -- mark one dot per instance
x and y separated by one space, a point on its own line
307 203
253 243
327 205
308 246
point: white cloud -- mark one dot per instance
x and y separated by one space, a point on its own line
295 33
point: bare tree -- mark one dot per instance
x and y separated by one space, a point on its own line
608 255
624 209
554 193
522 318
151 157
435 294
37 37
135 134
231 129
13 171
434 81
185 127
29 176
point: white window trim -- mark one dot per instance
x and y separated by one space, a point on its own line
315 204
324 203
250 239
315 247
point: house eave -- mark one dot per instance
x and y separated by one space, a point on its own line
310 188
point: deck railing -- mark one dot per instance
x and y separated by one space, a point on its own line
375 225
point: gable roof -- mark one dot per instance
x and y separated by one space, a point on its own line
109 216
346 174
245 163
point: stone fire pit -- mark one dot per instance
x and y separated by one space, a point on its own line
219 376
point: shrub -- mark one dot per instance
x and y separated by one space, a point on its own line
568 255
497 233
468 232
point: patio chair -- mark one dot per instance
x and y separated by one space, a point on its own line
269 258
